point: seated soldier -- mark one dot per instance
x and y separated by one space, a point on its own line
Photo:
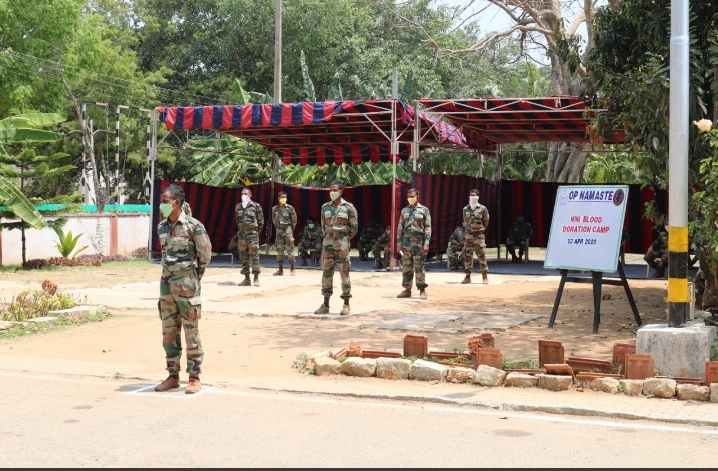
311 239
455 248
657 254
367 238
518 234
382 244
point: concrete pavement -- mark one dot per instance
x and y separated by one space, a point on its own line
252 337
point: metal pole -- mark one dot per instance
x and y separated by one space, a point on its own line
278 52
678 167
117 153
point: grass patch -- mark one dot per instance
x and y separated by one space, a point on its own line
61 323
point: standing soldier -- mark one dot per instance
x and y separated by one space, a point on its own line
413 236
382 244
250 222
455 247
339 225
311 239
476 217
186 251
284 218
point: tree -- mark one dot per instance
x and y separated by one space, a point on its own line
543 28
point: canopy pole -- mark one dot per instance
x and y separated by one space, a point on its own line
271 202
152 155
500 164
394 149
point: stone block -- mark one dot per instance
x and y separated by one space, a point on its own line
677 351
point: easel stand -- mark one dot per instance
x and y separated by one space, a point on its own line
598 281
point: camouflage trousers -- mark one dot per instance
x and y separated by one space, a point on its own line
412 263
455 254
335 252
306 245
180 309
248 249
284 241
478 244
377 250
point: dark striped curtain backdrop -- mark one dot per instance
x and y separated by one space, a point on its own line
444 195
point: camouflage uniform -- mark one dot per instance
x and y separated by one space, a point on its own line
186 208
413 234
285 220
476 220
186 251
339 225
455 248
367 238
382 244
658 250
250 223
518 233
311 239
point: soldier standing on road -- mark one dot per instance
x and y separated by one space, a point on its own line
455 247
311 239
412 238
284 218
186 251
339 225
476 217
250 222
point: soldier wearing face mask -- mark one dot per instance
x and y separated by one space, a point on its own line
476 217
250 222
284 218
340 223
412 241
311 239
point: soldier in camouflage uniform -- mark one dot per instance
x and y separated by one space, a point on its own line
186 209
339 224
311 239
250 223
455 248
186 251
367 238
657 254
382 244
284 218
412 238
519 232
476 217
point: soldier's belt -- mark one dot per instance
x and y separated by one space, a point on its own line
177 272
247 228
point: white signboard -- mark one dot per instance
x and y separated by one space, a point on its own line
586 227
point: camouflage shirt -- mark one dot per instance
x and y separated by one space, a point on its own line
185 244
414 221
476 219
311 236
520 231
458 239
284 217
339 220
250 218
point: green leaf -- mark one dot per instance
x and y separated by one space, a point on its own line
15 201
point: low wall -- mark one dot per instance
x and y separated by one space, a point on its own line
102 233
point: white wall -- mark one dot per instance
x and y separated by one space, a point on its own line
131 231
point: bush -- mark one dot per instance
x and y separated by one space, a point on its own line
140 252
30 304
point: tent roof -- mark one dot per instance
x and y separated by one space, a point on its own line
322 132
490 121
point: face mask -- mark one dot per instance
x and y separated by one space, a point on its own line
473 201
311 226
282 200
245 200
166 209
334 195
412 200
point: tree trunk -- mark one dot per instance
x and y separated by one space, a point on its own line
566 161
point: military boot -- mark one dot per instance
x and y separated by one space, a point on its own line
485 278
256 279
345 310
404 294
171 382
323 309
279 272
291 270
246 281
466 280
422 294
193 386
